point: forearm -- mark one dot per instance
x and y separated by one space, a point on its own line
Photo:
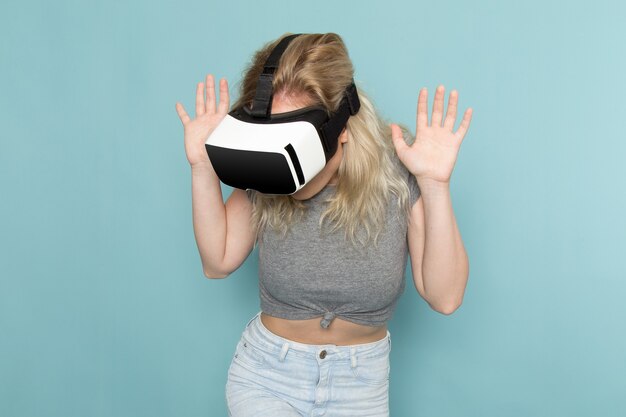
209 219
445 265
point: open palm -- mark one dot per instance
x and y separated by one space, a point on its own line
433 153
208 116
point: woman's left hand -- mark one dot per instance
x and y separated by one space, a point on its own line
433 154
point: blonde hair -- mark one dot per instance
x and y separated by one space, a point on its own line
317 67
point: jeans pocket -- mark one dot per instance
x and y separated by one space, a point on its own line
251 356
373 370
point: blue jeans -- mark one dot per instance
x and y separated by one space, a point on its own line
273 376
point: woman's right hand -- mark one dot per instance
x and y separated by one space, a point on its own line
207 118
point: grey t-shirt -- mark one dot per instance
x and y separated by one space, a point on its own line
312 273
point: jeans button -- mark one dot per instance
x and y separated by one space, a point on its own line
323 354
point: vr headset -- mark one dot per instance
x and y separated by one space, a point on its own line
276 153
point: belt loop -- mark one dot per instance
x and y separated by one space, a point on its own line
283 351
352 356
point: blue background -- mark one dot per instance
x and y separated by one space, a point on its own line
104 310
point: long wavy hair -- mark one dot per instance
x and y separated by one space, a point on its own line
317 67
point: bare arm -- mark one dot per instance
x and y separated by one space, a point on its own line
439 260
209 219
223 231
445 264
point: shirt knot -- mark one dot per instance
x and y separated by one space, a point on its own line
328 317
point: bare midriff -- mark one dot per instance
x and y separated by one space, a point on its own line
340 332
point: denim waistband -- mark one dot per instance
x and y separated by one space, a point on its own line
257 334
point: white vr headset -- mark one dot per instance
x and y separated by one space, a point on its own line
276 153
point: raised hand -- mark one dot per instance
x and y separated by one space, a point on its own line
207 118
433 154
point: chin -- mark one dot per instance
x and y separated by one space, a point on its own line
307 191
316 184
302 194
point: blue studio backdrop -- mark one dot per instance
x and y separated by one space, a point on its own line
104 310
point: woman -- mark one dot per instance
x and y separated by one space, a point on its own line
332 256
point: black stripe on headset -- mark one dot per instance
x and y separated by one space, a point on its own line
295 162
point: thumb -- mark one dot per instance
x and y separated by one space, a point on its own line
398 138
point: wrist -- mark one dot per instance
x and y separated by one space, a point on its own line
429 184
203 168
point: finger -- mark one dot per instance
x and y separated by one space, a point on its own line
422 110
438 106
184 117
467 117
200 99
398 138
224 98
450 119
210 94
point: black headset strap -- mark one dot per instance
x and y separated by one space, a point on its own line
350 105
262 104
